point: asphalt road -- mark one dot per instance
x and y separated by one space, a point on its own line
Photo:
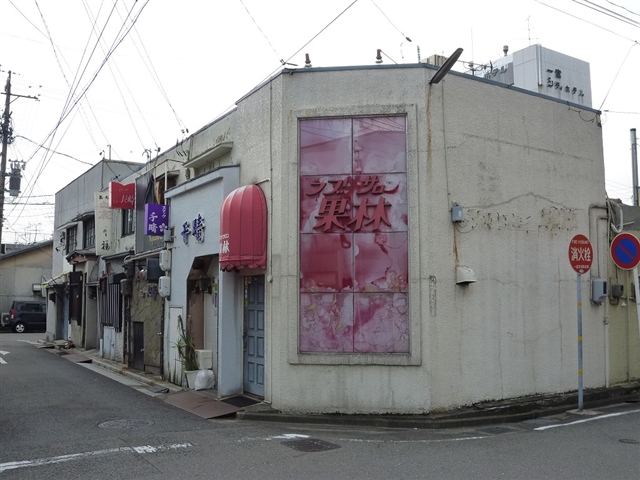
53 414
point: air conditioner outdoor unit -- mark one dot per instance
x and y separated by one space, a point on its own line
204 359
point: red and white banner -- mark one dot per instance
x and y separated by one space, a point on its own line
122 196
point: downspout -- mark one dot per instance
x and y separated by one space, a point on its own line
161 334
84 311
270 243
605 320
606 311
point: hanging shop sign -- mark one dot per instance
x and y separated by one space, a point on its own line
122 196
103 218
156 218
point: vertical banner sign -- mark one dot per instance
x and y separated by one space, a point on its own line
625 252
156 219
580 258
104 231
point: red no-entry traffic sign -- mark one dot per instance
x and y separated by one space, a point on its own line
625 251
580 254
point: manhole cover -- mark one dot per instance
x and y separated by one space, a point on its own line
630 440
496 430
310 445
125 423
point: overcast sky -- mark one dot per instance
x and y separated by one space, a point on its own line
185 62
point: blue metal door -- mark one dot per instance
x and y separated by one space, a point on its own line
254 335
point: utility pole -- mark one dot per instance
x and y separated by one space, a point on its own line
6 116
634 166
7 138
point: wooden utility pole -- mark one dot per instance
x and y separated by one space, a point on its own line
6 139
6 117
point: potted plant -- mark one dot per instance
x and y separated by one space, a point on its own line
187 351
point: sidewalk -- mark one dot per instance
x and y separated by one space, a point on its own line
487 413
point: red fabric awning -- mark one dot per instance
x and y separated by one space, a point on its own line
243 229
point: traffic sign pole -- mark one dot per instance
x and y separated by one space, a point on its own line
580 384
637 289
625 253
580 258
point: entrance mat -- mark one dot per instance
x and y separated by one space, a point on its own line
77 358
204 407
241 401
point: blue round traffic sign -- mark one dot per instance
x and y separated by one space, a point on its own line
625 251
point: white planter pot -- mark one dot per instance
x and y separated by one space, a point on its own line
191 378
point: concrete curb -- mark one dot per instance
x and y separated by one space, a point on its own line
488 413
123 370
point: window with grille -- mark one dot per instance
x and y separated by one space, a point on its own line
89 233
72 239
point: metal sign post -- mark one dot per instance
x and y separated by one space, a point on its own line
580 258
625 253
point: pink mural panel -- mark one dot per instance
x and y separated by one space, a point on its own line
353 235
326 263
325 146
379 145
379 203
381 262
325 203
381 323
326 322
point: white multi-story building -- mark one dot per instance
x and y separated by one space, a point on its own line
542 70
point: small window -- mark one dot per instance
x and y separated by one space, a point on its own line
89 233
127 222
72 239
172 181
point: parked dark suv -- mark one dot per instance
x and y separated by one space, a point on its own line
27 315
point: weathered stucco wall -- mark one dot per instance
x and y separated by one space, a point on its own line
146 307
525 169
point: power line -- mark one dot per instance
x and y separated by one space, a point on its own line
624 8
614 78
70 105
392 24
54 151
606 11
298 51
263 34
586 21
117 84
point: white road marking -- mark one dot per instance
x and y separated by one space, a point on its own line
2 360
609 415
438 440
290 436
97 453
2 352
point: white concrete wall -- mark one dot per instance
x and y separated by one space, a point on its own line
525 169
203 195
